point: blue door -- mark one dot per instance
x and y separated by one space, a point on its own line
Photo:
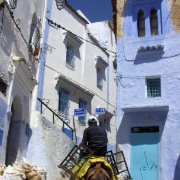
145 153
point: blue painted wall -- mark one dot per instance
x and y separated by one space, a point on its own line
134 109
3 110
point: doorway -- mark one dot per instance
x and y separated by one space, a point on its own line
145 153
14 132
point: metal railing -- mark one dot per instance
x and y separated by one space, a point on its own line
56 115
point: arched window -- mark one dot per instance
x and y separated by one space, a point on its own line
141 24
154 22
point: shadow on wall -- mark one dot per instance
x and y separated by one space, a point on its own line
28 133
14 131
148 56
139 119
177 170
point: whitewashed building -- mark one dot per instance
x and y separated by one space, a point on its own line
60 58
78 71
20 36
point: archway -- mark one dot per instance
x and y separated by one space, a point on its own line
14 131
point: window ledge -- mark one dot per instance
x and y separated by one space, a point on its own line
74 84
153 47
101 62
145 108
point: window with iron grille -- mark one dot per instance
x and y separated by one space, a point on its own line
99 78
3 86
153 87
82 104
64 102
70 58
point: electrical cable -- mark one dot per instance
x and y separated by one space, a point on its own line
55 25
15 22
77 83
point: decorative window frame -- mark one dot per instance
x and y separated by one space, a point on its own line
101 65
73 87
146 8
74 43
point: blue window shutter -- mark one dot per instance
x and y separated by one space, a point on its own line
82 104
64 102
99 78
70 57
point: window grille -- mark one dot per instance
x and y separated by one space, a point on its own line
154 22
64 102
70 59
99 77
3 87
82 104
153 88
141 24
148 129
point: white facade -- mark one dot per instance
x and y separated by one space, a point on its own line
34 64
78 75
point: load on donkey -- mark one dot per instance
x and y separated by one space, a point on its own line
90 167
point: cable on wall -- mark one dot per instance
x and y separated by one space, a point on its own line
76 83
57 26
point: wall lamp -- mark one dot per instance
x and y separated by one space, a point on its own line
60 4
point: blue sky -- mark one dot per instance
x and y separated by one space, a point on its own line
94 10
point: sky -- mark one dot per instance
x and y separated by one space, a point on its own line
94 10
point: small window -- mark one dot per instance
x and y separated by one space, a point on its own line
153 88
64 102
99 77
3 87
141 24
101 66
82 104
154 22
70 58
72 45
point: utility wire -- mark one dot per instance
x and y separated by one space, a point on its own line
55 25
12 17
78 84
